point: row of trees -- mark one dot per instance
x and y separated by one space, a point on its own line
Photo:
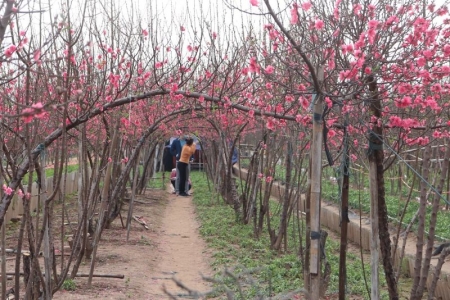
111 89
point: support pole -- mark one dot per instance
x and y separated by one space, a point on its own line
344 214
316 173
3 237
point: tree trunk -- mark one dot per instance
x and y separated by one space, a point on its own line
286 201
432 227
376 158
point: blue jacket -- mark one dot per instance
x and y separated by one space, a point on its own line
235 157
176 147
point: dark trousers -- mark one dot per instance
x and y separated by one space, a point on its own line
182 168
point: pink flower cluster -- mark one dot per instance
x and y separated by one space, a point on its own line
10 50
7 190
36 110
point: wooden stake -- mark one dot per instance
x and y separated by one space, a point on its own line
316 173
344 215
374 242
3 233
133 195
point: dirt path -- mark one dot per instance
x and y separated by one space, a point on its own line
182 251
171 248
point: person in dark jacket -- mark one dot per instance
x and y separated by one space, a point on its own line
175 150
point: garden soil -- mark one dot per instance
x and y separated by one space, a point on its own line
170 249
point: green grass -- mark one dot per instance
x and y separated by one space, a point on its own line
360 199
69 285
262 271
50 172
158 182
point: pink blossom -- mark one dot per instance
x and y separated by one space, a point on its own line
182 28
269 178
428 54
269 69
331 133
270 124
14 9
27 115
446 50
328 102
357 9
391 20
10 50
20 193
253 67
289 98
304 102
306 6
318 24
201 99
421 61
124 160
109 159
251 113
37 55
22 33
8 191
437 134
404 102
269 85
144 32
294 14
373 24
260 175
254 2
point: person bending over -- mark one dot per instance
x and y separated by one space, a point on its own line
173 180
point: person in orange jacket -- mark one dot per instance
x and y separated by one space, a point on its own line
183 164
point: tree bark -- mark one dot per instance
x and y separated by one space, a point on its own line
376 157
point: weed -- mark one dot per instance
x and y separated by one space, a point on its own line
69 285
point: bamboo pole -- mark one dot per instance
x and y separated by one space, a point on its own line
316 172
133 195
3 233
373 186
374 242
48 256
344 215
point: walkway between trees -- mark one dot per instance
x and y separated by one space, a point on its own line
182 251
170 248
